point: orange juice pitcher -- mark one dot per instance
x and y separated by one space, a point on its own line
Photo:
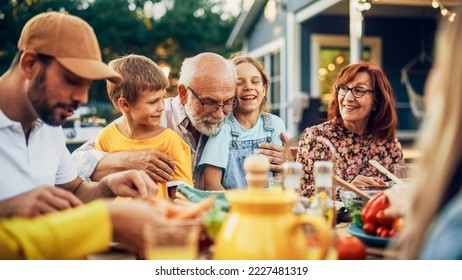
261 224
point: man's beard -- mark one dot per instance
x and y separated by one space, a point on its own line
38 99
205 125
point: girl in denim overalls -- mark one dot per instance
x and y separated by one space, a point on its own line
248 126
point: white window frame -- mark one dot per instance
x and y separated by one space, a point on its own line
319 41
265 52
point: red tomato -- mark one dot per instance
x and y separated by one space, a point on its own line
382 219
370 228
393 232
351 248
379 231
385 233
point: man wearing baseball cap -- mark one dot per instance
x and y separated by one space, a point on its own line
48 79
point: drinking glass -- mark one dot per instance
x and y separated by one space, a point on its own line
404 171
175 240
314 246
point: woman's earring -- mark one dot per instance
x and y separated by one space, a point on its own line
374 108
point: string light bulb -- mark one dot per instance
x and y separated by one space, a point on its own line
443 10
363 5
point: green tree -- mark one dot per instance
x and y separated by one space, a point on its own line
187 28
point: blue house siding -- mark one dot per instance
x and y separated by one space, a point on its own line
262 32
296 5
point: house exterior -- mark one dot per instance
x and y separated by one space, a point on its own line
303 44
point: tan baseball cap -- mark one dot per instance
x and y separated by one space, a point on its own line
71 41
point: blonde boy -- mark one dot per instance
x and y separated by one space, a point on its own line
140 99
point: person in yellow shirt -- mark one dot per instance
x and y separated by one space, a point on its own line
78 232
140 98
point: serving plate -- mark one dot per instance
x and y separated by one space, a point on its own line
368 239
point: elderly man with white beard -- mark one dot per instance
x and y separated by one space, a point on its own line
206 96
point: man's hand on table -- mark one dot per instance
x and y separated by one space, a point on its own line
39 201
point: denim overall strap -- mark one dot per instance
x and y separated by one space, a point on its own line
234 174
234 133
268 126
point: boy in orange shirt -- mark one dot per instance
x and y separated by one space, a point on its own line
140 98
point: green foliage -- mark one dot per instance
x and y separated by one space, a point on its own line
213 221
355 209
182 32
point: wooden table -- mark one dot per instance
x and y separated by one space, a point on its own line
115 253
373 253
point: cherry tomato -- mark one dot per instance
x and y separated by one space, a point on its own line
350 248
370 228
382 219
385 233
379 230
393 232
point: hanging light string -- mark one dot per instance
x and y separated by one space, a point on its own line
363 5
443 10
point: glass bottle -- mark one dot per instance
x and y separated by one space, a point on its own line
291 180
323 204
291 176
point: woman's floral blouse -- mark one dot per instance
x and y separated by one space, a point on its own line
353 152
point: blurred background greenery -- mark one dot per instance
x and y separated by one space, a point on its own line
167 31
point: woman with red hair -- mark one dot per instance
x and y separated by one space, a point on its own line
361 125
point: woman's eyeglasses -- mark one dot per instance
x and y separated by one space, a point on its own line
357 92
213 106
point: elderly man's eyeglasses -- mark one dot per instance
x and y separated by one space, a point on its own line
213 106
357 92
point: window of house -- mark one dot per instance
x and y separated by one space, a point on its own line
272 64
329 54
331 60
275 74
